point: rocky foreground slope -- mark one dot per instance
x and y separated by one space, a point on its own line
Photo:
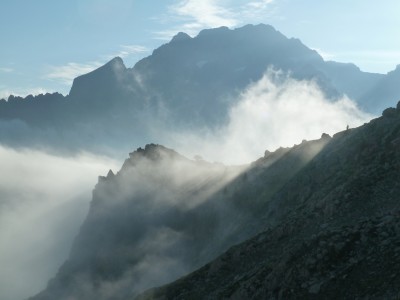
321 220
332 231
163 216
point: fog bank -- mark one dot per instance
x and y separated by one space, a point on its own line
43 201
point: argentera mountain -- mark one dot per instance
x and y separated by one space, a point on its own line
186 83
319 220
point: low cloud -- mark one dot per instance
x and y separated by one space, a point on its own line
273 112
43 200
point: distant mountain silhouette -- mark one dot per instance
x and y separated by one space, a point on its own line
386 90
318 220
186 83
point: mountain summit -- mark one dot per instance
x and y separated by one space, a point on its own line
100 83
188 83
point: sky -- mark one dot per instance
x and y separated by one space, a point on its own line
47 43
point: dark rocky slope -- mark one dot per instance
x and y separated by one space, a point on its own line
321 219
331 232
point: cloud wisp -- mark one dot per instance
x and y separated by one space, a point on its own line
255 11
43 201
6 70
273 112
191 16
194 15
67 73
128 50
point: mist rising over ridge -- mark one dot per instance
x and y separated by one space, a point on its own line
163 215
307 211
331 232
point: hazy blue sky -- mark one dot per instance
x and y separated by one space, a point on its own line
46 43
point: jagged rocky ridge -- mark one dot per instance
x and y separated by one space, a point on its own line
186 83
164 215
331 232
321 217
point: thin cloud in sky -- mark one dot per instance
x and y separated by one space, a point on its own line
65 74
259 4
257 11
195 15
128 50
256 8
204 13
6 70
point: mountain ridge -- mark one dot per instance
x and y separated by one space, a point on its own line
333 232
189 83
319 201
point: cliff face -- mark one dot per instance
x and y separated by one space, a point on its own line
332 231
